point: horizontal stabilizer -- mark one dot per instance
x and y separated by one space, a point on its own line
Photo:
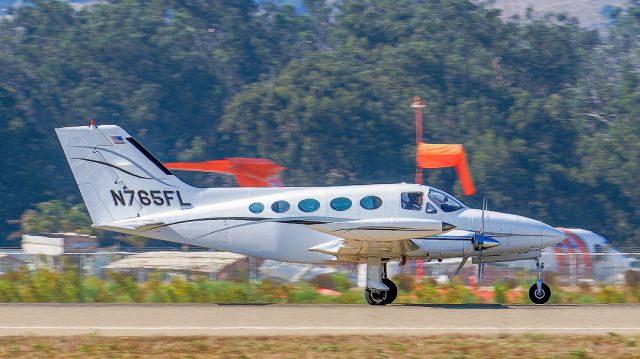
132 224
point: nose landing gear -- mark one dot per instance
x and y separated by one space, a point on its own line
539 293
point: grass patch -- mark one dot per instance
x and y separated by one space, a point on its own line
68 286
444 346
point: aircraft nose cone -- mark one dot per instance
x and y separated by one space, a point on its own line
525 231
550 236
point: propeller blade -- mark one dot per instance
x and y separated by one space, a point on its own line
481 241
484 208
480 267
464 260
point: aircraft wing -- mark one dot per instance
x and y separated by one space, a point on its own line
352 250
383 229
380 236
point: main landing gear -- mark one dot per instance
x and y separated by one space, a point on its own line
380 289
539 293
382 297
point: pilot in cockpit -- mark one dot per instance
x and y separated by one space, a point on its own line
412 200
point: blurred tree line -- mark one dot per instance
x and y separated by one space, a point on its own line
544 107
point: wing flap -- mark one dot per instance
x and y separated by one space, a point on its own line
358 251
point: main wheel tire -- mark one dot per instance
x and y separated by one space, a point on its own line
375 297
392 294
539 296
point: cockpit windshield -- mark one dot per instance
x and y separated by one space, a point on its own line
445 201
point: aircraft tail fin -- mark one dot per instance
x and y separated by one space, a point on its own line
117 177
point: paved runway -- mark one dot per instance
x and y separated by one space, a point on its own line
279 319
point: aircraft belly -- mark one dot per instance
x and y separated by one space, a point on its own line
219 235
186 233
283 242
199 234
168 233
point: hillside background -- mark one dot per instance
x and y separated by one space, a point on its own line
594 14
546 108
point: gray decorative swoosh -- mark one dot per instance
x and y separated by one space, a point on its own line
112 166
374 228
141 168
250 220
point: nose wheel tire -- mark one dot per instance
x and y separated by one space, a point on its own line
539 296
382 297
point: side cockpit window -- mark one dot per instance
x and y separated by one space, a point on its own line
445 201
431 209
412 200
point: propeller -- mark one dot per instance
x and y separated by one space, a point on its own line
482 242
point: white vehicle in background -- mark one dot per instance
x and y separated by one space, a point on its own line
583 256
128 190
587 255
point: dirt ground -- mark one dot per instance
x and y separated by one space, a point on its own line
449 346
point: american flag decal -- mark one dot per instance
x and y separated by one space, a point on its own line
118 140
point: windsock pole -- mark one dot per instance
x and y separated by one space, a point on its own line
418 105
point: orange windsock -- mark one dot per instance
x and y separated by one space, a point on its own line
249 172
431 155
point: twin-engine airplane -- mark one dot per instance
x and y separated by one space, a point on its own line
128 190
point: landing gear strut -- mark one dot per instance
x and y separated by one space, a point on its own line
539 293
380 289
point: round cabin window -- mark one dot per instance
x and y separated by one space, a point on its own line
280 206
340 204
256 207
371 202
309 205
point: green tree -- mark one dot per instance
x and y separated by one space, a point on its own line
56 216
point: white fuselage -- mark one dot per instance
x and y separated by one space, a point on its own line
221 219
